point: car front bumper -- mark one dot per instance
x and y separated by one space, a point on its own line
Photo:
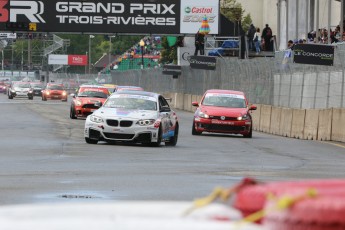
56 97
220 126
134 133
20 94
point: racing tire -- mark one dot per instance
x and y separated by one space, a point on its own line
72 113
173 140
44 99
10 97
91 141
159 139
249 135
64 100
194 132
31 98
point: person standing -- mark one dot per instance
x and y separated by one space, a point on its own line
257 40
250 35
199 43
267 35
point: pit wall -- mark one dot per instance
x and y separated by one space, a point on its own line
306 124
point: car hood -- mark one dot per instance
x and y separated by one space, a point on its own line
90 100
223 111
21 89
126 113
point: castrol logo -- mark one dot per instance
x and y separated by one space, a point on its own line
202 10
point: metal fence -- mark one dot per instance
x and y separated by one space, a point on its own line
273 81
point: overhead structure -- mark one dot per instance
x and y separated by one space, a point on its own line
109 17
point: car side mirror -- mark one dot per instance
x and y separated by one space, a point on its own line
165 109
252 107
98 104
195 103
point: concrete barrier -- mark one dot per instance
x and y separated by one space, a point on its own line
265 118
187 102
275 120
256 117
285 122
338 124
297 126
311 124
325 125
179 100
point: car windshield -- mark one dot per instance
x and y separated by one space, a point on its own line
23 85
90 93
224 100
131 103
37 85
55 87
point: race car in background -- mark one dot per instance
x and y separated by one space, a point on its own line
37 88
133 116
54 91
223 111
87 99
20 89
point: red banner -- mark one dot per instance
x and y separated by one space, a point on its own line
77 60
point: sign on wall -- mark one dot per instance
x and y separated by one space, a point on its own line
60 59
314 54
108 16
203 62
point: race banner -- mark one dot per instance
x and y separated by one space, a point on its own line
203 62
62 59
313 54
108 16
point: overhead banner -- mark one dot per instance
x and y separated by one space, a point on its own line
60 59
109 16
203 62
313 54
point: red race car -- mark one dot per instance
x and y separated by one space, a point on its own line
223 111
54 91
87 100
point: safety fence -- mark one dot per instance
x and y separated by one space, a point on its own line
265 80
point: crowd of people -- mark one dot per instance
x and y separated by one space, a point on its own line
258 41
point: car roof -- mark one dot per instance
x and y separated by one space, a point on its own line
128 86
142 93
224 91
93 86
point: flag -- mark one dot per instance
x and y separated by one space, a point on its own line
205 28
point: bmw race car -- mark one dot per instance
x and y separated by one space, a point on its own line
133 116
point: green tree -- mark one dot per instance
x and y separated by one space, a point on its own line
233 10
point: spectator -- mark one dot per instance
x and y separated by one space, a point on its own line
257 40
267 34
199 43
250 35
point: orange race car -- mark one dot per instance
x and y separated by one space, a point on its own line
87 99
54 91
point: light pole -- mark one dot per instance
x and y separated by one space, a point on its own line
90 37
142 44
110 48
87 64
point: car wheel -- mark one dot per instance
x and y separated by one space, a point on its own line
72 113
194 132
91 141
249 135
173 140
10 97
44 99
159 139
31 98
64 100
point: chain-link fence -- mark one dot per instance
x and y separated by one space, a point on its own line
273 81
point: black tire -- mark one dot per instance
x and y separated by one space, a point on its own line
10 97
194 132
173 140
91 141
31 98
158 143
72 113
250 134
64 100
44 99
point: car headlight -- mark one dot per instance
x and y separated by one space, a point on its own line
96 119
64 93
13 91
47 93
244 117
78 103
146 122
30 91
203 115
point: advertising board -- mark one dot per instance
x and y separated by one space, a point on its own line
108 16
314 54
61 59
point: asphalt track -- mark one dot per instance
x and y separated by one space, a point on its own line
44 158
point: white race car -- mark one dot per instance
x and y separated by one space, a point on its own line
133 116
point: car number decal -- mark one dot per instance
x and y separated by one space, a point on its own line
222 122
